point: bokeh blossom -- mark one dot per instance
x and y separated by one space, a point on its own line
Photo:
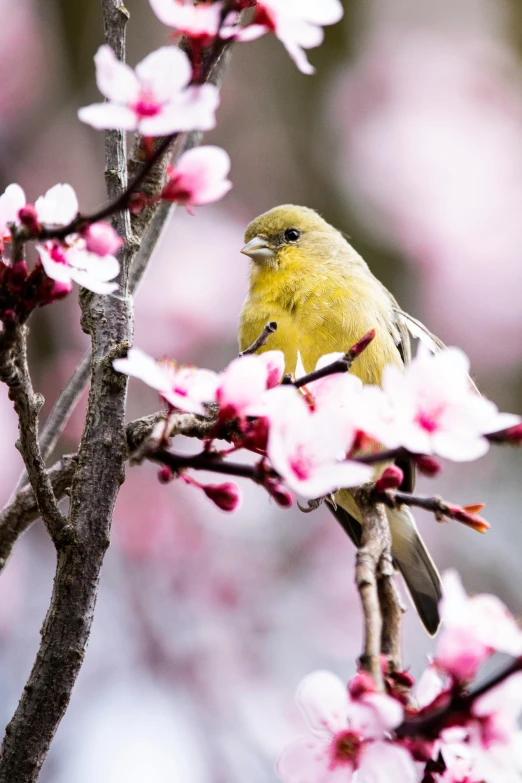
198 22
297 23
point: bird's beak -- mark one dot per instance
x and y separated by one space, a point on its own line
258 249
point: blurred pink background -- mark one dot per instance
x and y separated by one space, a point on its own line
409 139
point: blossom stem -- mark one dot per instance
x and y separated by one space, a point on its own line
212 462
341 365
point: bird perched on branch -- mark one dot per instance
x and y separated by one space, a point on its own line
310 280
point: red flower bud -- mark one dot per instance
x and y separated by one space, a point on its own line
392 478
8 315
428 466
226 496
165 475
282 496
28 218
18 274
363 343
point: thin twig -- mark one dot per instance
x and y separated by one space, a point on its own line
341 365
19 515
211 462
437 506
262 340
27 405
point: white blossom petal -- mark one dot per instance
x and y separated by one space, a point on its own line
103 116
116 80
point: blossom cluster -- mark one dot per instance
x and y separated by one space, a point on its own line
86 258
444 735
314 439
165 94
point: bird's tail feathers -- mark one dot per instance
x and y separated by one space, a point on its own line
416 566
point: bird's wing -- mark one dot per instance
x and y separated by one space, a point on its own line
417 329
404 346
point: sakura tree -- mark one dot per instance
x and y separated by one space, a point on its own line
304 435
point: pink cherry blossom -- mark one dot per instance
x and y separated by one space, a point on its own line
199 22
58 206
473 628
79 265
102 239
307 448
185 388
156 99
297 24
436 409
11 202
243 385
199 177
340 727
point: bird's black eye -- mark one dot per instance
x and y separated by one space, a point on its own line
292 234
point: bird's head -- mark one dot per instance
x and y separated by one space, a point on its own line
289 235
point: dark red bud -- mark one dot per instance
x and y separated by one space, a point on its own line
363 343
514 434
392 478
428 466
282 496
18 273
226 496
165 475
28 218
8 316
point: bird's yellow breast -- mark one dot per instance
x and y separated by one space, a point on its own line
320 309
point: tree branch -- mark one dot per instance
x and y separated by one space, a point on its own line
100 471
373 561
15 372
19 515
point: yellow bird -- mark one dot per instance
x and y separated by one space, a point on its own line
305 276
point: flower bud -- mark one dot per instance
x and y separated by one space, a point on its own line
428 466
361 684
392 478
18 274
102 239
363 343
28 218
165 475
8 316
282 496
226 496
